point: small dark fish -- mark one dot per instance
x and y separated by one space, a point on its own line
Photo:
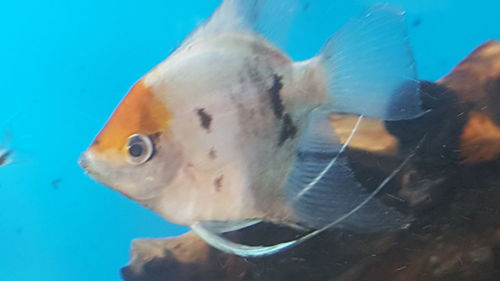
56 183
5 157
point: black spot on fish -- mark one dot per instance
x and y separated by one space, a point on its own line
218 183
288 129
19 230
205 118
155 136
275 97
212 154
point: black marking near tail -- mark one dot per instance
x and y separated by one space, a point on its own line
205 118
275 96
218 183
212 154
288 129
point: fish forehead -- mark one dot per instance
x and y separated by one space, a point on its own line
140 112
209 56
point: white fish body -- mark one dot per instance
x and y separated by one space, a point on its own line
244 152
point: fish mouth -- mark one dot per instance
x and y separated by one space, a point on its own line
89 164
97 170
83 162
112 177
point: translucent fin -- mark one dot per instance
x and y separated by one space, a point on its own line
370 68
227 226
268 18
217 241
321 187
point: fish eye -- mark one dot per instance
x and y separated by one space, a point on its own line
140 148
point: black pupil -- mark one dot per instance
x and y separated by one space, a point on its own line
135 150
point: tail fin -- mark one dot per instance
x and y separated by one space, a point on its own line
370 68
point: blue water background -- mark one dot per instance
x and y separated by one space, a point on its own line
64 67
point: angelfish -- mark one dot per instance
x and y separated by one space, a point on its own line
228 131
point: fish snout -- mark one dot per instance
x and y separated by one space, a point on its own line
85 161
92 166
82 161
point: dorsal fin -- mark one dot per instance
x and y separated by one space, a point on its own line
370 67
270 19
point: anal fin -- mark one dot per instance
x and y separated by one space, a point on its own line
322 188
227 226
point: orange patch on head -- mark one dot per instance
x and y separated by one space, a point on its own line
140 112
480 139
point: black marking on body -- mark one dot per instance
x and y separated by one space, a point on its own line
288 129
155 136
259 75
275 97
212 154
205 118
218 183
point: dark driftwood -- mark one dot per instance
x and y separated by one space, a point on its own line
451 188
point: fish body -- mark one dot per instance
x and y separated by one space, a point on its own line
228 141
229 130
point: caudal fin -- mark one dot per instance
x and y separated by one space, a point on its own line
370 68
